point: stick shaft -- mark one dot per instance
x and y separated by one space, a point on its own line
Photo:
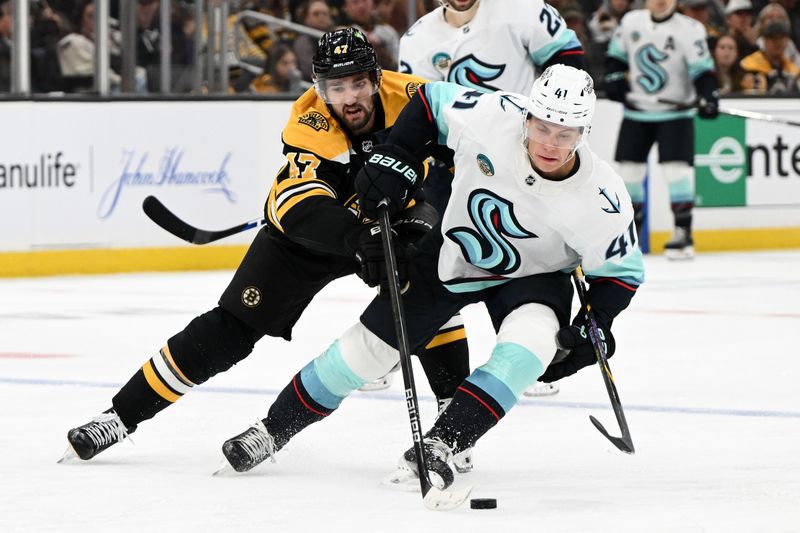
405 353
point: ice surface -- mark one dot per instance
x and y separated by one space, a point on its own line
708 369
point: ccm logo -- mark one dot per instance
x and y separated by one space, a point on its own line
398 166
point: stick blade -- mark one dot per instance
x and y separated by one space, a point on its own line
624 445
445 500
166 219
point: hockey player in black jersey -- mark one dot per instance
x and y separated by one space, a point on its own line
315 235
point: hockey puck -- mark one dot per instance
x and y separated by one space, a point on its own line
483 503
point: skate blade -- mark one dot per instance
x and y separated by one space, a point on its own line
445 500
381 384
680 255
69 456
538 392
225 470
402 479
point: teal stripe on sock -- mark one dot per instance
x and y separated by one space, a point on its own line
515 366
494 388
318 392
334 374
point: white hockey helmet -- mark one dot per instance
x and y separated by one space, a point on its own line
565 96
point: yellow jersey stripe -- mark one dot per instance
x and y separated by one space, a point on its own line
294 200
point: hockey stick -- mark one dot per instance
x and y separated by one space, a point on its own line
753 115
624 443
435 499
158 213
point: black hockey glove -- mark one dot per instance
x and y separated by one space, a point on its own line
617 87
708 95
574 341
390 172
369 255
708 107
412 223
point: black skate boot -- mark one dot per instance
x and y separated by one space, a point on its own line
249 448
101 433
681 246
437 458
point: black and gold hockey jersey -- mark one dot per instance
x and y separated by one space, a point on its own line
313 201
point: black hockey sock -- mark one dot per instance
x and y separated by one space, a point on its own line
293 411
469 416
446 361
682 211
211 343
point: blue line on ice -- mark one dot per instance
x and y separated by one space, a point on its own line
394 397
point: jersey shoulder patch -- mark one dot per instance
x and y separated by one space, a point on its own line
396 90
312 128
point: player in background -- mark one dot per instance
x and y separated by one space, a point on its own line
315 234
488 45
657 53
530 202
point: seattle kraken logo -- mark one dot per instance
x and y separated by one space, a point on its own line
488 248
471 72
653 76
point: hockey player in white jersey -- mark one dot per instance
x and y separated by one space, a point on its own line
488 45
656 56
530 203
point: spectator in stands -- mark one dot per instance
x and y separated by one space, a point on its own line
281 74
384 38
314 14
790 6
255 38
148 42
700 10
769 71
47 29
739 18
574 16
726 61
76 52
776 12
6 27
606 19
390 12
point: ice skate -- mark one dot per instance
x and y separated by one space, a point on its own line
540 389
102 432
681 245
247 449
381 383
462 461
438 457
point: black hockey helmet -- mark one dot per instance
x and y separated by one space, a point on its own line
341 53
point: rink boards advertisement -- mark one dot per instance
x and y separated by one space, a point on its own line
741 162
73 175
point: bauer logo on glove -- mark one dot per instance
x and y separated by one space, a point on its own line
398 166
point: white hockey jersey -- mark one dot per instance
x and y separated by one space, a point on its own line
664 59
503 220
497 49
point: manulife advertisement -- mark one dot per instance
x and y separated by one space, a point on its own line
746 162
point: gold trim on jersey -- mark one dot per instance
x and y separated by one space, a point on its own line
314 129
289 192
157 385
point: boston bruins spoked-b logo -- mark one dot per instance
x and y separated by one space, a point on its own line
488 248
251 296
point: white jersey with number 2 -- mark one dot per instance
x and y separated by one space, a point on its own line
497 49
